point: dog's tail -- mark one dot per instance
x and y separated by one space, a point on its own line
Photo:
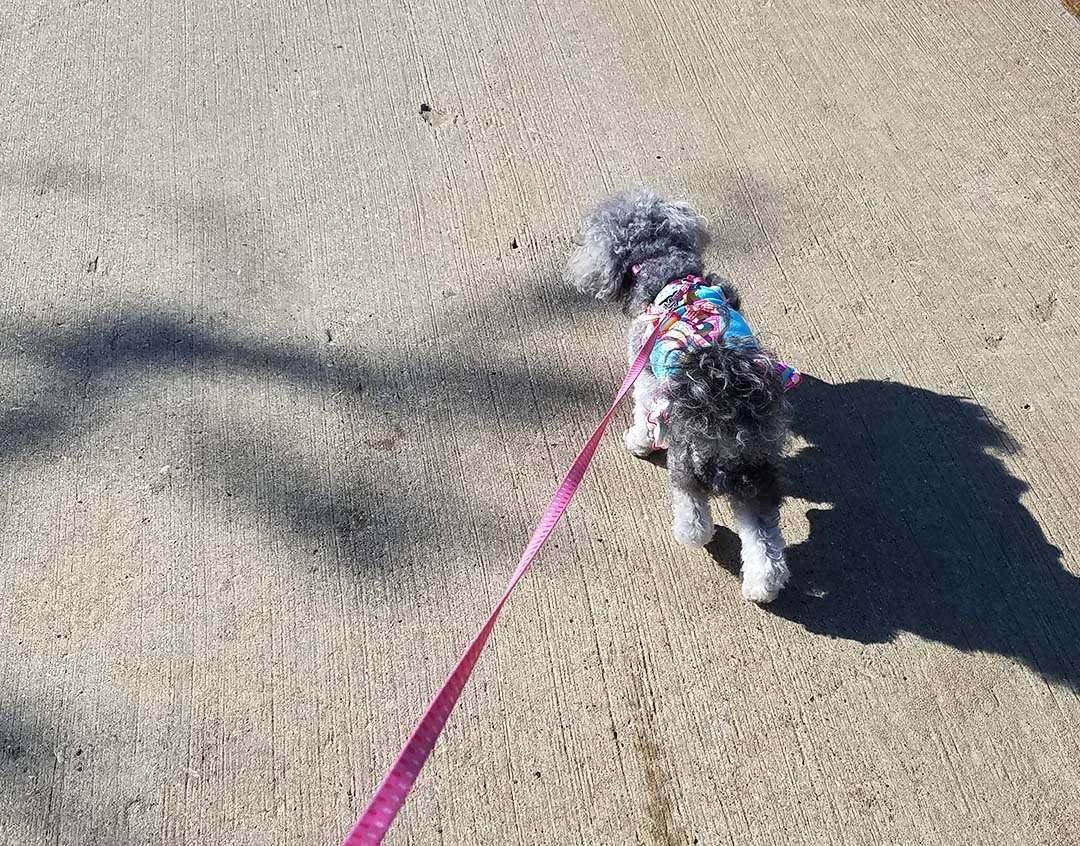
728 421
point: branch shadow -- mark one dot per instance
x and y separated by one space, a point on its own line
925 530
75 378
65 382
26 770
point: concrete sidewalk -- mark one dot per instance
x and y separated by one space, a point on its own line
287 372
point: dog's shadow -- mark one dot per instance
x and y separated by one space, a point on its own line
920 528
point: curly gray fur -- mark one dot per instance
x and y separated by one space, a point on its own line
728 420
728 423
636 227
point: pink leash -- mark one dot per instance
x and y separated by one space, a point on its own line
390 795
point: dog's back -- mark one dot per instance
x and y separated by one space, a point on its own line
726 414
727 421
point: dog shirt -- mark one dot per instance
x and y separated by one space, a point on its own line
699 318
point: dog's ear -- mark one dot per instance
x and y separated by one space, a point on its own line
593 267
629 227
679 223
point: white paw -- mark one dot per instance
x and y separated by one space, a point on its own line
638 441
763 579
695 535
759 591
764 569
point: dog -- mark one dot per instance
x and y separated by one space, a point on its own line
710 393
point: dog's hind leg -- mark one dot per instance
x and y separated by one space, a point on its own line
764 570
692 524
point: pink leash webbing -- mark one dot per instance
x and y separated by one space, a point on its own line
392 791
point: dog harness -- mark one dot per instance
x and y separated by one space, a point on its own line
694 316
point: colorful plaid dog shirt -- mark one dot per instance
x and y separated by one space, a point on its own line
700 318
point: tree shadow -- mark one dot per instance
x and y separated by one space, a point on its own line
26 768
924 530
64 380
73 379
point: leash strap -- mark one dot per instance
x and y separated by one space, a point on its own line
391 793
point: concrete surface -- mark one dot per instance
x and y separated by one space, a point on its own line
287 373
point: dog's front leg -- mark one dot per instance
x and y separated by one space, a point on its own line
639 437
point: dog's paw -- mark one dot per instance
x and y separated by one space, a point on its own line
759 591
695 535
764 570
638 442
763 583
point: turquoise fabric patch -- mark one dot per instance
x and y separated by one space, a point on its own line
702 319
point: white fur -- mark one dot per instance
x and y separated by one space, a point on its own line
638 439
764 570
693 523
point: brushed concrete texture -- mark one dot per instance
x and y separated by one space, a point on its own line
287 372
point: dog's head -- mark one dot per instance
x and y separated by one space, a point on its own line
627 229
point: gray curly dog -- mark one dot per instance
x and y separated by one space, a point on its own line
725 417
